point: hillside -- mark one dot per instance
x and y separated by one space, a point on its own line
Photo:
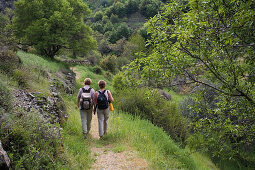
181 74
70 149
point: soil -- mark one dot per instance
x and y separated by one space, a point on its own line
106 158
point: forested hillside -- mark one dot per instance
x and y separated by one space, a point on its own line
181 72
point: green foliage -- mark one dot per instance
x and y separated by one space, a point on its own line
135 44
149 8
119 82
109 63
30 141
122 31
209 43
6 33
114 18
9 61
148 104
21 76
97 27
132 6
97 70
104 47
5 97
153 144
98 16
52 25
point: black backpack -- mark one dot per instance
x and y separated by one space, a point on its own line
86 101
102 101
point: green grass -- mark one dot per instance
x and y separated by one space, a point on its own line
35 61
76 148
176 96
153 144
86 72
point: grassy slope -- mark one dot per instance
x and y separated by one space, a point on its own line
125 131
151 142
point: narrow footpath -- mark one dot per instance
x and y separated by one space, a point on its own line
103 152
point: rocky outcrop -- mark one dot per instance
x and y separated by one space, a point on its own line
66 79
80 62
50 107
5 162
165 95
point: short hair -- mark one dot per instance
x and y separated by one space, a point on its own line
101 84
87 81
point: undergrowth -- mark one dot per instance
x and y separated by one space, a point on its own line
153 144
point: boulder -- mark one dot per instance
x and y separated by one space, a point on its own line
5 162
165 95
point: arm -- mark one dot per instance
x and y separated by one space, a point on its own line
95 99
78 104
111 99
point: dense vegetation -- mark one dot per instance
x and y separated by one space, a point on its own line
210 44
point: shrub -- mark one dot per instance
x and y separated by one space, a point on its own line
109 63
97 70
104 47
30 142
149 8
119 82
21 77
98 27
98 16
114 18
122 61
132 6
9 61
5 97
119 9
148 104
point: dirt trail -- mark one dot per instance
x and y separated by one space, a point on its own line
105 157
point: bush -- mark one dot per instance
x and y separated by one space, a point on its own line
5 97
21 77
132 6
97 26
98 16
122 61
119 82
31 142
97 70
149 105
149 8
9 61
222 126
109 63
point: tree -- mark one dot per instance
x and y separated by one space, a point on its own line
52 25
149 8
211 43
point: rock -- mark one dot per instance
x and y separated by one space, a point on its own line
5 162
165 95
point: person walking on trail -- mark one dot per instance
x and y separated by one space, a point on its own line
85 105
102 99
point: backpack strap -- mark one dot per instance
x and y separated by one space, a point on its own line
86 91
101 92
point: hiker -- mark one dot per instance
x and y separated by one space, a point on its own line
85 104
102 99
